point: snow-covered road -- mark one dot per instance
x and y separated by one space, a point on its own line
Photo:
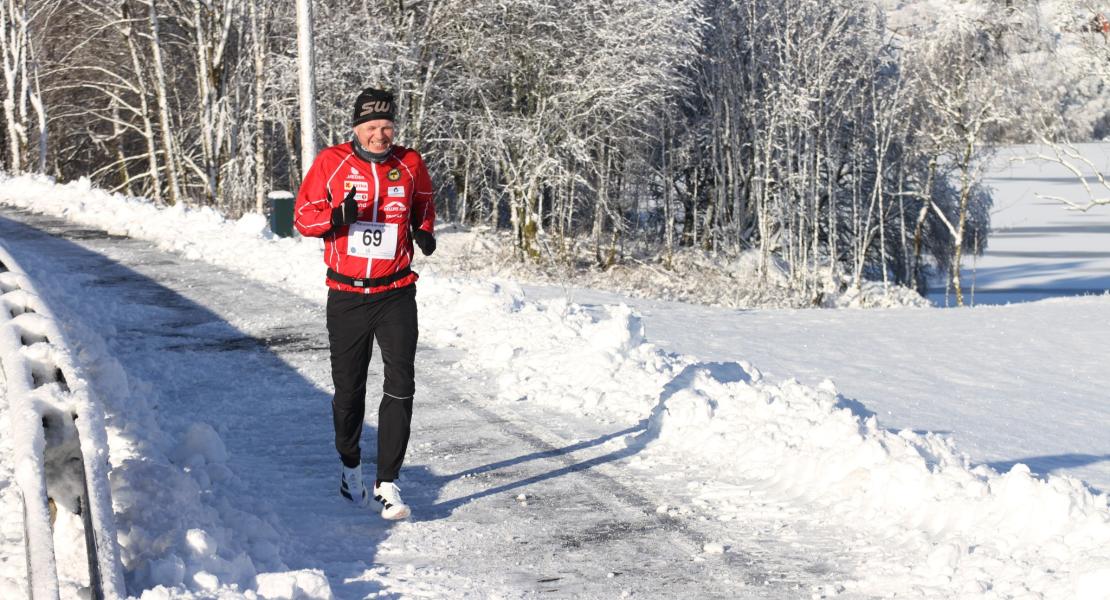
218 405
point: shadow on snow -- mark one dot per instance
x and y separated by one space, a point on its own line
274 422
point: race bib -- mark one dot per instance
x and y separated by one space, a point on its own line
372 240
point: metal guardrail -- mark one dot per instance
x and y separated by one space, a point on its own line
95 576
51 411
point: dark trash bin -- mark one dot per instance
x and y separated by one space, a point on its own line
281 213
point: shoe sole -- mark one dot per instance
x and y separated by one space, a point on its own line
347 496
401 514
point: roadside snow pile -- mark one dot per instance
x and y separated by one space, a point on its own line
590 360
306 584
1013 532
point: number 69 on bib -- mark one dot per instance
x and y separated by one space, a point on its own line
372 240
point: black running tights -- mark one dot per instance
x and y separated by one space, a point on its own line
354 321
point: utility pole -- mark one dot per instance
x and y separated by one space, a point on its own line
306 69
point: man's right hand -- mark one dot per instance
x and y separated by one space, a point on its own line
347 211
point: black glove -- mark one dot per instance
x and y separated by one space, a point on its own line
347 211
425 240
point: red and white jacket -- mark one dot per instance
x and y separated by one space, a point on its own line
396 191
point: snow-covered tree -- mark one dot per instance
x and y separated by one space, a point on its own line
555 111
21 82
832 137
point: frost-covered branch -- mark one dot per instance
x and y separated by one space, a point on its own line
1069 157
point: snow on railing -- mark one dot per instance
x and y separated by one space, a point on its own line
60 450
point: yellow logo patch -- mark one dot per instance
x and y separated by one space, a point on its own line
393 175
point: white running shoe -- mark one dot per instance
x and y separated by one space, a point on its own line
351 486
393 507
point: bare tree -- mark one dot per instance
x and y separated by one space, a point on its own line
966 97
21 83
169 150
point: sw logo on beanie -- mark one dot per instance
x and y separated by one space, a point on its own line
373 104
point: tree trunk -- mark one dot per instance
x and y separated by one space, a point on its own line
258 49
168 153
12 48
124 172
918 232
965 197
128 32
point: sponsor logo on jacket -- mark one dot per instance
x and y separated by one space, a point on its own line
395 206
358 185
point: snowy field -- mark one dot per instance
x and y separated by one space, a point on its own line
575 443
1038 250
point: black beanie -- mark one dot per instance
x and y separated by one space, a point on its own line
372 104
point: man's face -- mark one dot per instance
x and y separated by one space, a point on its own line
376 136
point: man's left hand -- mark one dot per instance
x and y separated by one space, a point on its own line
425 240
